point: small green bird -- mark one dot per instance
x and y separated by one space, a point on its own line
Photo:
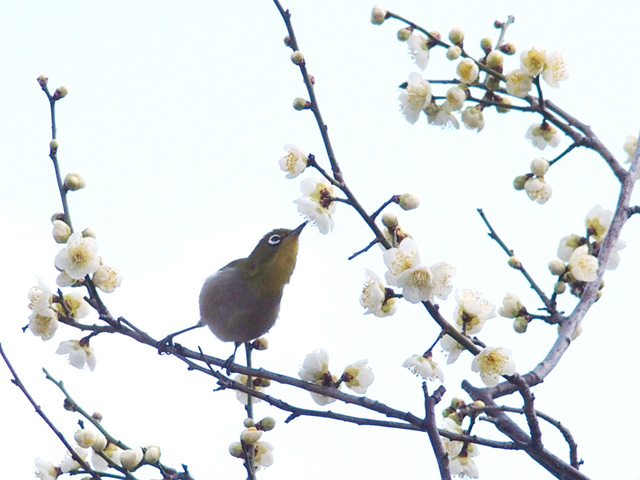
241 301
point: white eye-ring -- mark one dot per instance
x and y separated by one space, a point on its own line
274 239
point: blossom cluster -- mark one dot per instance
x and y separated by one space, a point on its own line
250 443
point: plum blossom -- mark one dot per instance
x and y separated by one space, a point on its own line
472 311
80 353
294 162
79 258
358 376
424 367
492 363
415 97
374 297
582 265
317 203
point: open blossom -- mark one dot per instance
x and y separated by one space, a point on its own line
452 348
418 48
111 450
567 245
533 61
107 278
582 265
243 397
39 297
294 162
315 369
80 353
614 258
456 96
463 466
543 135
452 447
399 259
441 116
537 189
374 297
358 376
317 203
424 367
44 323
472 311
492 363
76 305
46 470
598 222
518 83
467 70
79 258
263 454
555 70
421 283
415 97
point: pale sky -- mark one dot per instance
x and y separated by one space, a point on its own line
177 115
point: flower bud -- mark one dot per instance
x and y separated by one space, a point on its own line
297 57
84 438
152 454
453 52
560 287
492 83
479 404
60 92
519 181
378 15
456 35
485 45
87 232
251 435
42 81
514 263
99 443
404 34
74 181
494 59
248 422
508 48
97 416
557 267
389 220
520 324
504 101
457 403
130 459
61 231
539 166
408 201
235 449
266 424
260 343
53 145
301 104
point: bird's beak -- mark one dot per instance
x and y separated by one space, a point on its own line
298 229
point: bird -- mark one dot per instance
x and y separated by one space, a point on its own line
241 301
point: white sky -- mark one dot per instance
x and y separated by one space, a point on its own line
177 114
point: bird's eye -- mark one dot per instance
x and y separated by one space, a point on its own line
274 239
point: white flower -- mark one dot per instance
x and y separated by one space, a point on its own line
358 377
378 15
492 363
598 222
79 258
315 369
472 118
76 305
39 297
543 135
537 189
567 245
399 259
317 203
424 367
452 447
80 354
415 97
511 306
421 283
111 451
69 464
582 265
107 278
472 311
294 162
45 470
130 459
630 146
467 70
555 70
533 61
61 231
456 96
373 297
418 47
84 437
441 274
451 347
263 454
464 467
614 259
243 397
441 116
44 323
518 83
539 166
152 454
64 280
